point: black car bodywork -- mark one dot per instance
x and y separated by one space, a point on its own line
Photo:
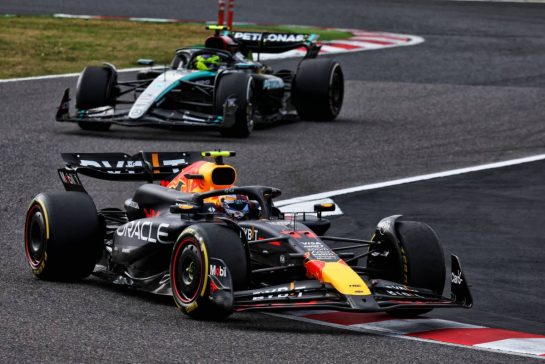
232 97
170 242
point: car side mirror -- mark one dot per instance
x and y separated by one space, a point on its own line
246 66
326 206
322 207
146 62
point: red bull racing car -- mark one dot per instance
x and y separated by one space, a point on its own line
218 85
218 248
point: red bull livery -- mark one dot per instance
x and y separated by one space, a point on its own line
219 248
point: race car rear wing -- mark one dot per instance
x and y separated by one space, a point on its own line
276 42
143 166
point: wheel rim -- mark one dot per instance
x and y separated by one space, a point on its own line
336 91
250 116
35 237
187 271
250 106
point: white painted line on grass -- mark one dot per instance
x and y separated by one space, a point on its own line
373 186
64 75
38 77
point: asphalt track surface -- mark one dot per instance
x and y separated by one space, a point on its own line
472 93
487 218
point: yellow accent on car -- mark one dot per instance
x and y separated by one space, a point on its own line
191 307
155 162
207 170
216 27
216 153
344 279
206 266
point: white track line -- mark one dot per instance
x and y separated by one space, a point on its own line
397 328
64 75
373 186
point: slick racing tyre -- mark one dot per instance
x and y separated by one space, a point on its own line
194 266
96 88
418 261
318 89
238 86
62 236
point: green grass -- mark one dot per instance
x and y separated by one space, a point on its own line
42 45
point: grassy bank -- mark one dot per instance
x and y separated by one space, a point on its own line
42 45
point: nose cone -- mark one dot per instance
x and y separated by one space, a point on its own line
339 275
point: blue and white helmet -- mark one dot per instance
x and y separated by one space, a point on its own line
236 206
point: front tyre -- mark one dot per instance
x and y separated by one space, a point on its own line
62 236
416 260
318 89
96 88
190 270
238 86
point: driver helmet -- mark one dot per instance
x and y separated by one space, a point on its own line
236 206
207 62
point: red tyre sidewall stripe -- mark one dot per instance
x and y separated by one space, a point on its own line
173 270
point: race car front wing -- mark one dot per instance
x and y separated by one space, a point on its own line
385 296
155 116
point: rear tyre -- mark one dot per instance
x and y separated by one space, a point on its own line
241 87
418 261
318 89
189 268
96 88
62 236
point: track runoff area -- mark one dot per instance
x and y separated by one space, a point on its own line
361 40
353 200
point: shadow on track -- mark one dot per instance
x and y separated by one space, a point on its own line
173 134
